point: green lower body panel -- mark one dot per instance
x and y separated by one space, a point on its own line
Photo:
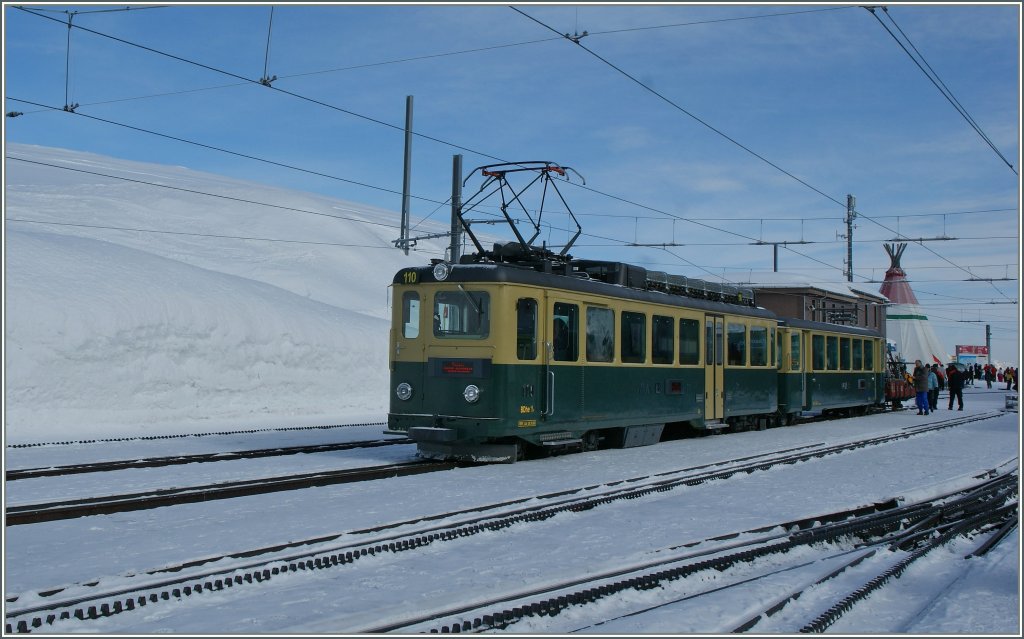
547 406
750 391
841 389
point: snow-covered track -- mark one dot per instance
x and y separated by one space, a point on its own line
928 524
156 462
140 438
989 508
258 565
34 513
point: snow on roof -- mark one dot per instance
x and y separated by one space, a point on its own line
771 279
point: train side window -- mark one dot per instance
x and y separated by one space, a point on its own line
795 360
818 352
844 353
566 332
758 346
780 348
719 343
634 337
410 315
776 343
526 328
689 342
858 355
663 346
709 342
600 334
832 352
737 344
869 355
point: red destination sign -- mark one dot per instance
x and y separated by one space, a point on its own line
456 368
971 350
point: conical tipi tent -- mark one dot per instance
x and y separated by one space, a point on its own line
905 322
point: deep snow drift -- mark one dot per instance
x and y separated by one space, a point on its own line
111 332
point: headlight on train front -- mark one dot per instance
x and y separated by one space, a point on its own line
472 393
404 391
441 271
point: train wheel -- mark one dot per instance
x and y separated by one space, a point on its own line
591 440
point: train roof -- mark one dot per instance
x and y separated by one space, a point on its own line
613 279
824 326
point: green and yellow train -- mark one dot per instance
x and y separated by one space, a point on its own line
492 360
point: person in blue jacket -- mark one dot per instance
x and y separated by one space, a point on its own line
933 387
921 387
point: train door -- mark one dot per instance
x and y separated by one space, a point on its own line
531 355
798 363
409 338
714 378
562 380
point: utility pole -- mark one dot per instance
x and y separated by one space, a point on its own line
851 202
988 341
456 207
404 233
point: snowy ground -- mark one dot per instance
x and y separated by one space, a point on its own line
114 330
944 594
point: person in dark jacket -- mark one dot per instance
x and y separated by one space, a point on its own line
955 379
921 387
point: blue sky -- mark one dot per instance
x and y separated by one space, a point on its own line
822 93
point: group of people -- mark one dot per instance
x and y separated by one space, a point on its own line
1008 375
930 379
993 375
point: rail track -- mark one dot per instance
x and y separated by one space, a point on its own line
69 509
915 529
174 460
258 565
139 438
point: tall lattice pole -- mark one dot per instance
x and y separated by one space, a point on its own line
456 208
851 202
407 174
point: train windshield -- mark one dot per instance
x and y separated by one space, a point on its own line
462 314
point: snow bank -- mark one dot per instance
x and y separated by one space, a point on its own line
112 333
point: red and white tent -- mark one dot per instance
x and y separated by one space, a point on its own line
905 323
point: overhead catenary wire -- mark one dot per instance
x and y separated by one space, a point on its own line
204 193
242 200
223 150
936 80
676 106
253 238
715 20
272 88
247 80
333 177
431 56
205 66
730 139
194 234
292 167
